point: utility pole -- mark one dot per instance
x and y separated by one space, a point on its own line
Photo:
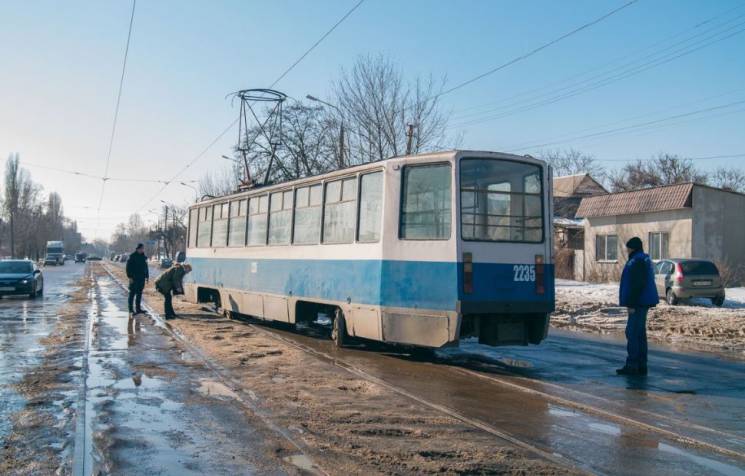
409 138
342 162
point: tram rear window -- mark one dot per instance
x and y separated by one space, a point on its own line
501 200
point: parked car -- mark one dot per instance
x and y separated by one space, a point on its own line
166 263
94 258
180 256
20 277
80 257
688 278
123 258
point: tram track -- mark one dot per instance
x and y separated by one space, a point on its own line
220 373
576 405
509 381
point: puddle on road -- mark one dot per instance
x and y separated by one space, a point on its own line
303 462
606 428
211 388
718 467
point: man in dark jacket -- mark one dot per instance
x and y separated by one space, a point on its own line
170 284
638 293
138 274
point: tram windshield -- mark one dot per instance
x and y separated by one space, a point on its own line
501 200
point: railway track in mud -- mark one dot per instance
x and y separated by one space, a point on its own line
508 380
244 397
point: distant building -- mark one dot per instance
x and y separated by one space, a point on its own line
685 220
568 193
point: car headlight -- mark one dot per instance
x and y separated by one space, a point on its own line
24 281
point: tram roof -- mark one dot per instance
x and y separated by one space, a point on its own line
442 155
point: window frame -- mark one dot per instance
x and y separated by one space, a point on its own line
401 200
238 200
341 200
308 186
662 235
257 197
291 225
359 204
605 239
543 195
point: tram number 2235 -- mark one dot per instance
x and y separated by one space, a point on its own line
523 272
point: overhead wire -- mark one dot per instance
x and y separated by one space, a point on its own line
633 126
619 73
118 103
534 51
274 83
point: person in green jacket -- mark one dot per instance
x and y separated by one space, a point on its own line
170 283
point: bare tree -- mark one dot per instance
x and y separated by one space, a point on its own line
377 105
728 178
12 186
572 162
221 181
665 169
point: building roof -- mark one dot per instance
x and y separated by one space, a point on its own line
577 185
566 207
668 197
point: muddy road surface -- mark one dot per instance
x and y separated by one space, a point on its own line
87 390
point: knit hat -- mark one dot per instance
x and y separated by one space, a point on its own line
139 245
635 244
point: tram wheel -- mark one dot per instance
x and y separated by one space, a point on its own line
339 330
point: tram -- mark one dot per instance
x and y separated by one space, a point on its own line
421 250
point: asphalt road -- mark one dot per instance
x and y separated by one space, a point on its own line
146 405
23 323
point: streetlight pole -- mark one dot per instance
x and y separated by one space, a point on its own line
196 192
341 127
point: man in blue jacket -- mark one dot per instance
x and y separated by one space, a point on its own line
638 293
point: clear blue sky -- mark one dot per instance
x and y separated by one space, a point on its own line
61 64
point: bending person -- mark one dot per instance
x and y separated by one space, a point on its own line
171 283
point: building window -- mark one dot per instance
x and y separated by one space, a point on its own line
658 245
371 206
340 211
237 227
425 203
205 227
280 218
257 208
606 248
307 226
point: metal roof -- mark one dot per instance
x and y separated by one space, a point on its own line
669 197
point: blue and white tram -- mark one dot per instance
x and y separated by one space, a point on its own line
420 250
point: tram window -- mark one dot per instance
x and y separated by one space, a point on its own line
205 227
425 202
340 211
307 225
501 200
257 208
371 206
280 218
193 224
237 227
220 225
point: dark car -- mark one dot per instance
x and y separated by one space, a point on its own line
94 258
80 257
688 278
166 263
20 277
180 256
